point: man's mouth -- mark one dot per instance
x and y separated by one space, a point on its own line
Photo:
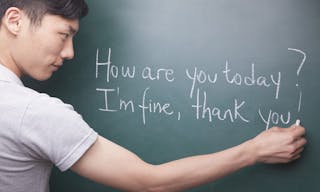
56 66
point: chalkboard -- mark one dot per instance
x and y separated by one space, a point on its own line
174 78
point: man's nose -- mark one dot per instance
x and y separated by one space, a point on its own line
67 51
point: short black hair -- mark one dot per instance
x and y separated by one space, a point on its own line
36 9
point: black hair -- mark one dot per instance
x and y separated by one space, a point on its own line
36 9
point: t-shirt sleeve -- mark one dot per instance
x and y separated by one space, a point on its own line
52 131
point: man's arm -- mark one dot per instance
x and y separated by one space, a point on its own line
110 164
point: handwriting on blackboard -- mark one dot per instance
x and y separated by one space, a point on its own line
200 108
200 77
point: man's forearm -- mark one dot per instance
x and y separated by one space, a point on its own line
193 171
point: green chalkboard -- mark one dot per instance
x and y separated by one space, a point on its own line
173 78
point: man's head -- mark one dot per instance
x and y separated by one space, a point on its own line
36 35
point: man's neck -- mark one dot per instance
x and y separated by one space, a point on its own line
7 61
6 50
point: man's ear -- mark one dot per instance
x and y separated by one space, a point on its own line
12 20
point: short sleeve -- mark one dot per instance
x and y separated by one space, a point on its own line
52 131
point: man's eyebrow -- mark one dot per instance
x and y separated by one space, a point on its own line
72 30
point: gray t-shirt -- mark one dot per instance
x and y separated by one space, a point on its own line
36 131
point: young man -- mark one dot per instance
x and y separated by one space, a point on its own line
38 131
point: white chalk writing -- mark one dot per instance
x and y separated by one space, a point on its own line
199 86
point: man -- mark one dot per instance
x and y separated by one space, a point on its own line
38 131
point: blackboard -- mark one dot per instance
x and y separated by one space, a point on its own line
173 78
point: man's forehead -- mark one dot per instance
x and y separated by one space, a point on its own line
68 24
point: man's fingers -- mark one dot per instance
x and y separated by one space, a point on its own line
296 157
298 151
297 130
300 142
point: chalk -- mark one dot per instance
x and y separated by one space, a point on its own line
298 122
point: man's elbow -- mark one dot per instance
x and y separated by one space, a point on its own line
152 181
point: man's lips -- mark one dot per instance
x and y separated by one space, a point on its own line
56 66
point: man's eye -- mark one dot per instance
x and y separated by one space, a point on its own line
65 35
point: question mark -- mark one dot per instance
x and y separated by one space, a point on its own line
303 60
298 72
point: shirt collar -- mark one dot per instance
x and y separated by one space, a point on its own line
8 76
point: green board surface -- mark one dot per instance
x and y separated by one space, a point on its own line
168 79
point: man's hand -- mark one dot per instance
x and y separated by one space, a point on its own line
279 145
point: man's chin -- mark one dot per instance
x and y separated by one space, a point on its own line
42 77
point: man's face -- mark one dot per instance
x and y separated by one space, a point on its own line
41 50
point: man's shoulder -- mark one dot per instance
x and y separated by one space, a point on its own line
24 98
15 96
17 91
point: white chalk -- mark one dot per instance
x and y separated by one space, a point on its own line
298 122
